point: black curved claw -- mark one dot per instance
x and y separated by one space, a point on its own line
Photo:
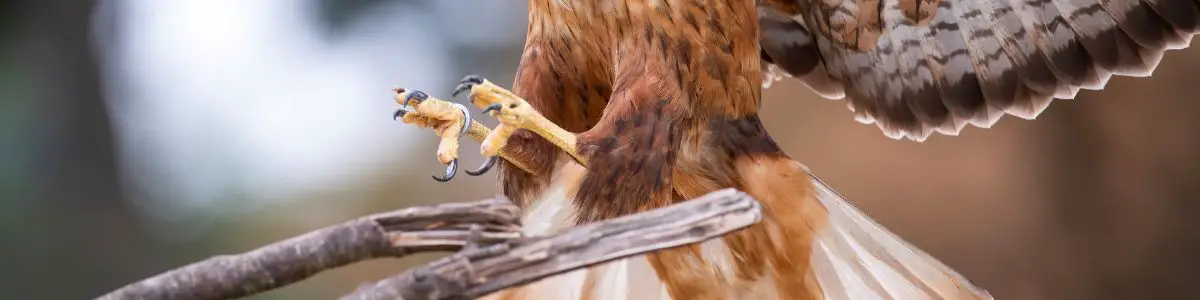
451 170
466 84
493 107
399 114
487 165
419 95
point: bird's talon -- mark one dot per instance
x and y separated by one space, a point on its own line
487 165
399 113
475 79
493 107
419 95
466 84
451 170
462 87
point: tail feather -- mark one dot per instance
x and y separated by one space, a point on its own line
856 258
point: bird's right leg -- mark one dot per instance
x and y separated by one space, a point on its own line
447 120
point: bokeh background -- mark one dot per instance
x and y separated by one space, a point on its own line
140 135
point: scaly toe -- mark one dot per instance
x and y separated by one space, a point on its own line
452 167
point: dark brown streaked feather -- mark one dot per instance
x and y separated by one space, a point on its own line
973 61
788 46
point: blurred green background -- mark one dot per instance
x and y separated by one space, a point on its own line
140 135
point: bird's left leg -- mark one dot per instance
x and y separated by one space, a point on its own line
513 113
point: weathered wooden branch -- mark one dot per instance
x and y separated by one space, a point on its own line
477 272
495 256
445 227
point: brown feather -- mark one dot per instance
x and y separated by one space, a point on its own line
681 82
914 67
565 76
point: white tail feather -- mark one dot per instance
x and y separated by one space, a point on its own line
856 258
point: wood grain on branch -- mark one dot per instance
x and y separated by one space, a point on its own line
476 272
493 255
446 227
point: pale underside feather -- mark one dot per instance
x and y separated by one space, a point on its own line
852 258
629 278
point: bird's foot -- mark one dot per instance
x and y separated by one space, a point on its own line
450 121
513 113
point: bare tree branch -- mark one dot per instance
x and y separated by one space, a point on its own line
477 272
445 227
494 255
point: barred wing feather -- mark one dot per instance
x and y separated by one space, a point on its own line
914 67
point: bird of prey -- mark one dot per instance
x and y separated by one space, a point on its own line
623 106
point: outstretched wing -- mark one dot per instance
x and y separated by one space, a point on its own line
914 67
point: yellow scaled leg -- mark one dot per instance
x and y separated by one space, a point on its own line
446 119
514 113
